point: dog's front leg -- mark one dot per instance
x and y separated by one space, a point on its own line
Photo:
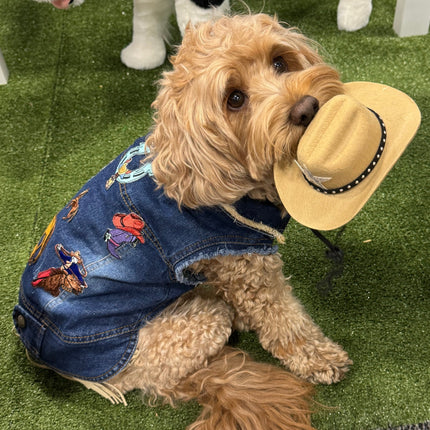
255 286
147 49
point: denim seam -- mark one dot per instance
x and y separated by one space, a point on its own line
36 313
118 366
95 337
127 199
149 234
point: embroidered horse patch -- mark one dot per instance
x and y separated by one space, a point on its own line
69 276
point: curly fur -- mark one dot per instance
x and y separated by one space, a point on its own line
206 153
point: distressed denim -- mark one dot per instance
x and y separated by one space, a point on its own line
116 256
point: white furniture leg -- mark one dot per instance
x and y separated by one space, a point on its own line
412 17
4 72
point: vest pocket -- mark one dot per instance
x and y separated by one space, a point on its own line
29 329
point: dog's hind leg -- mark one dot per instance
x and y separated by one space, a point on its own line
176 343
181 356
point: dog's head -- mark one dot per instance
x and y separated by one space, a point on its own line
239 97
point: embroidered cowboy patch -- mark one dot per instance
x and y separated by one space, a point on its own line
69 276
128 230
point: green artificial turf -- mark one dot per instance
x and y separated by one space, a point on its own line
70 106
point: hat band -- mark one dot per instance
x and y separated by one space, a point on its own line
364 174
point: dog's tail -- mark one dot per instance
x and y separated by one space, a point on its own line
238 393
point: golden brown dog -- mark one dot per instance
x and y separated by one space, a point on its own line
239 97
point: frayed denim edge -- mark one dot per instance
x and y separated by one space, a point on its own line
195 279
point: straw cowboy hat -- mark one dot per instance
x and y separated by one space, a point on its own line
345 153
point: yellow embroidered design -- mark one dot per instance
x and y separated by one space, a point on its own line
38 249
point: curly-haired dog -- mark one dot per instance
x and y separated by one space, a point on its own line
195 202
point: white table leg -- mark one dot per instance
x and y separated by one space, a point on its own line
4 72
412 17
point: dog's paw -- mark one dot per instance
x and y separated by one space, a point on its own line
320 362
144 56
353 14
329 365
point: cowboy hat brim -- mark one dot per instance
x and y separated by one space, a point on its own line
327 212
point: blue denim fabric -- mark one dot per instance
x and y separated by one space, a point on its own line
135 247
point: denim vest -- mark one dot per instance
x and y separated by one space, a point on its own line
115 257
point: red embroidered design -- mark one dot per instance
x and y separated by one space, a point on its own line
128 230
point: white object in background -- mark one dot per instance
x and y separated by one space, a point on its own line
4 72
412 17
353 14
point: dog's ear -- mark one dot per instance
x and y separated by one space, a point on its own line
195 156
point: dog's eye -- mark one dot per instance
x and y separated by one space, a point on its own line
236 100
280 65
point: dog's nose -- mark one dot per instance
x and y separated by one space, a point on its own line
303 112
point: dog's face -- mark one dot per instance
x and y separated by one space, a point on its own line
239 97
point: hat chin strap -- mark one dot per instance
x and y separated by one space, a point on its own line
316 182
256 225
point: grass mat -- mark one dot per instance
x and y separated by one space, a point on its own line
70 106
